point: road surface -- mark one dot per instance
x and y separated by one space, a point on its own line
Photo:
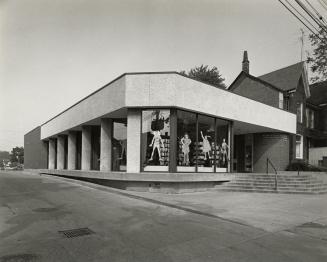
34 210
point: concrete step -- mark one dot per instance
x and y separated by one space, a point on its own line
278 181
320 187
273 191
297 184
279 177
256 183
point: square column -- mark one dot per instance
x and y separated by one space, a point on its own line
52 154
71 155
60 152
105 144
86 148
134 117
231 147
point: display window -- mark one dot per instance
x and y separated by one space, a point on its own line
222 149
119 145
205 146
155 140
186 141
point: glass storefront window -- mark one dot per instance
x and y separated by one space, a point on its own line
155 140
206 144
186 140
119 145
222 146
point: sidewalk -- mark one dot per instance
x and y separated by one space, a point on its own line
271 212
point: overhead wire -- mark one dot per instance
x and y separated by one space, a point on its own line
323 4
315 33
299 13
317 21
321 18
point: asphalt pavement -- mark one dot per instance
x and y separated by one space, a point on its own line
43 218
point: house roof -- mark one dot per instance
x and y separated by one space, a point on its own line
244 74
286 78
318 93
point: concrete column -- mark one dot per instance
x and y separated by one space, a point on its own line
173 141
60 152
105 144
133 140
52 153
71 155
86 148
231 147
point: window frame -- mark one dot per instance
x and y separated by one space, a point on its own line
299 118
300 155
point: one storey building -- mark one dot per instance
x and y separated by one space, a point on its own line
162 127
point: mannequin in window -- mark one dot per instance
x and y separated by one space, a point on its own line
155 143
186 141
123 145
206 148
224 148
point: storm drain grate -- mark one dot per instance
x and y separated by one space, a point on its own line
77 232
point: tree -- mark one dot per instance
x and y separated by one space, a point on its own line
207 75
318 59
17 155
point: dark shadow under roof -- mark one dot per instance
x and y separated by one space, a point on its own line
318 93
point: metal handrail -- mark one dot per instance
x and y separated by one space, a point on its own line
267 168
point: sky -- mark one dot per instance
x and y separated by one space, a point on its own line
55 52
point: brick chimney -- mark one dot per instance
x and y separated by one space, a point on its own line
246 63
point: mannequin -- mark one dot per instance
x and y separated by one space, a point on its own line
224 148
155 143
186 141
123 144
206 148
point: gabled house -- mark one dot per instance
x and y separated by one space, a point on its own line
287 89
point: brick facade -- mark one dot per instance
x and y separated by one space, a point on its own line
274 146
256 90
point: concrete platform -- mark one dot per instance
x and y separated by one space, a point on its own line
148 182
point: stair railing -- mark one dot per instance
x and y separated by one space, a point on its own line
267 170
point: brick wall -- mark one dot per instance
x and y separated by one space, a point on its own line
35 150
257 91
275 146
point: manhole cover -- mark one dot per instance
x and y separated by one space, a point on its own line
20 258
45 209
313 225
78 232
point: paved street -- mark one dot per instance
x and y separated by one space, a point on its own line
34 209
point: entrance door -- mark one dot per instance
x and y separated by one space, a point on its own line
248 162
243 153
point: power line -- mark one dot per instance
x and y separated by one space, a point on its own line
323 4
317 13
301 15
300 20
311 15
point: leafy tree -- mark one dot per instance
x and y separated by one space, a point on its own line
318 59
4 156
205 74
17 155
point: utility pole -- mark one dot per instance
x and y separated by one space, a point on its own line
302 42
